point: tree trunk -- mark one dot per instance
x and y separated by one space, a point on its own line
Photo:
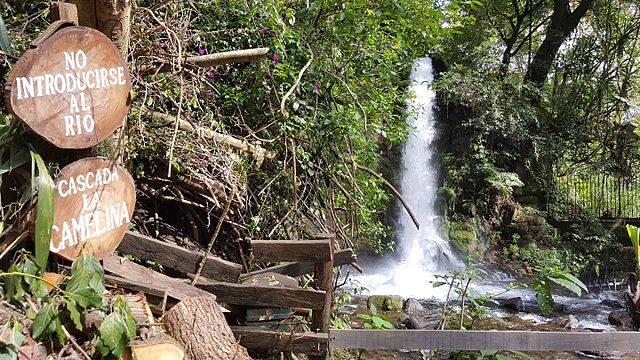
199 325
111 17
563 22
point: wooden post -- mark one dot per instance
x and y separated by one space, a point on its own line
323 277
111 17
63 11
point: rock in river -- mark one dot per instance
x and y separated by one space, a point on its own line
513 304
412 305
385 302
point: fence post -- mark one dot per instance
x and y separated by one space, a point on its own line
323 277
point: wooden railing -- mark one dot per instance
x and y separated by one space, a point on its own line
606 196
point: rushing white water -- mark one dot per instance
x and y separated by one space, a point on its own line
423 253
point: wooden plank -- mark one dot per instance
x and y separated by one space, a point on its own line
269 341
291 250
177 258
485 340
260 295
148 279
340 258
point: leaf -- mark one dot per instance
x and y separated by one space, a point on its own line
86 271
86 298
13 284
503 357
44 213
576 281
113 333
74 314
543 297
363 316
633 235
44 322
377 322
5 42
374 310
486 353
18 157
520 354
438 284
567 285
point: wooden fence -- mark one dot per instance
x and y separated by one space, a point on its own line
627 341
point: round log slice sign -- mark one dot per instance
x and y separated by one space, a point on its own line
72 89
93 204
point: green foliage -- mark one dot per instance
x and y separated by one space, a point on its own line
473 304
44 214
5 42
542 285
68 302
634 236
375 320
117 329
11 338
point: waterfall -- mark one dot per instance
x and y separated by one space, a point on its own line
423 253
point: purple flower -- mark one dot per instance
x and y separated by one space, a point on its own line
210 92
212 74
263 30
269 74
201 51
296 91
316 88
275 58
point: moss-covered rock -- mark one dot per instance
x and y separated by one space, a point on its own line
386 302
464 236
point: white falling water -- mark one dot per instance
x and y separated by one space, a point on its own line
423 253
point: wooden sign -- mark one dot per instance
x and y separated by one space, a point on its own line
72 89
93 205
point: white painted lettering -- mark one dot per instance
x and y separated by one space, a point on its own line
121 80
68 126
73 105
83 101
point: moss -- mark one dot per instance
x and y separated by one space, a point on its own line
386 302
464 237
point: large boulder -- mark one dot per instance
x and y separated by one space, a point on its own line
463 235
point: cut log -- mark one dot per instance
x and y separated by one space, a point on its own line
228 57
268 341
260 295
145 280
166 349
177 258
199 325
340 258
292 250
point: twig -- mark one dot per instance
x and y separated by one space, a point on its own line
177 124
18 239
393 190
75 344
355 98
215 235
295 85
